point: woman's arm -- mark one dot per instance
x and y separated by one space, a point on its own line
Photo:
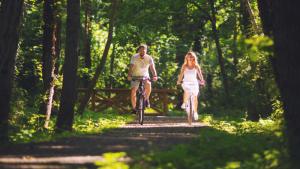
180 76
200 76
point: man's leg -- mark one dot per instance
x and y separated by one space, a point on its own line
133 97
147 92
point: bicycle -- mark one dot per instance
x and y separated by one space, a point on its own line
140 101
190 108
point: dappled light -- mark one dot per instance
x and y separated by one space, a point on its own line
149 84
115 160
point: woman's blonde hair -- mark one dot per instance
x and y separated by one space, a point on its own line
193 54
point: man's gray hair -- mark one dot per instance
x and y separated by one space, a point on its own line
142 45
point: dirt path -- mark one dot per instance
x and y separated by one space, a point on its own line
81 152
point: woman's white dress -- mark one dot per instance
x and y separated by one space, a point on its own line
190 82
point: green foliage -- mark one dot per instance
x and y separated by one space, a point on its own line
259 47
27 127
28 63
226 144
112 161
170 28
176 113
277 111
95 122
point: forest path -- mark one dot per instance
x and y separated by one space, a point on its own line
158 132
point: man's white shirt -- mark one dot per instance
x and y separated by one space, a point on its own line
141 66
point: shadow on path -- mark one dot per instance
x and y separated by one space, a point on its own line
81 152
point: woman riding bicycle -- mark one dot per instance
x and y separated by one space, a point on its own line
191 77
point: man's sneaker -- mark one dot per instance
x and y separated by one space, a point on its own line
133 111
196 116
147 103
183 106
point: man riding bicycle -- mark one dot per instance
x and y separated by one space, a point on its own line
139 67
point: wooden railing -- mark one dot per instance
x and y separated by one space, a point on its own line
119 99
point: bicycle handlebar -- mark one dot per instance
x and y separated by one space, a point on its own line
141 78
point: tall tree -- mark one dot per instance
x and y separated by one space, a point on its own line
87 36
180 27
69 92
49 57
282 18
251 28
112 64
266 15
216 37
10 16
100 67
57 43
248 19
235 36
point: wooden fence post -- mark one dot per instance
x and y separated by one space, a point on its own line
165 102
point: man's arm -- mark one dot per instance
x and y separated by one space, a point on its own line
129 76
153 71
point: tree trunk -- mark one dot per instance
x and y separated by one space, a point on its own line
87 41
287 69
100 67
218 46
235 35
197 44
266 15
87 34
57 52
179 27
209 82
112 62
57 44
251 28
10 16
49 57
248 19
69 92
235 48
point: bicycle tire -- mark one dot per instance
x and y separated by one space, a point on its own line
141 109
190 111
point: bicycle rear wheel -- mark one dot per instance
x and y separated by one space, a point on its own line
141 109
190 111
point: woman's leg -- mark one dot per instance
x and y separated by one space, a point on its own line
184 101
196 103
185 94
185 97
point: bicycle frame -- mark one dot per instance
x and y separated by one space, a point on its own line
140 101
190 108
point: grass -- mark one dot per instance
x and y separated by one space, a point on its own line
229 143
29 129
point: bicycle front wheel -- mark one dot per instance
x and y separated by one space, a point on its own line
190 111
141 109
